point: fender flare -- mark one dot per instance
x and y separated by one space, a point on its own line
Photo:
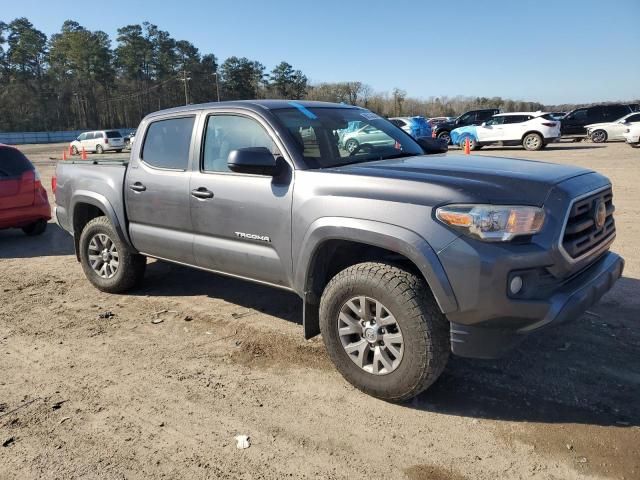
101 202
384 235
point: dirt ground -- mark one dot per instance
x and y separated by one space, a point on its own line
91 387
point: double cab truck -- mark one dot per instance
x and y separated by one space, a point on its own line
400 258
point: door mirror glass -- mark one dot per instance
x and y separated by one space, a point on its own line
252 160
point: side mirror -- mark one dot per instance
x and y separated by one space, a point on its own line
484 124
252 160
432 145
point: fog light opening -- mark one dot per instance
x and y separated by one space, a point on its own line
515 285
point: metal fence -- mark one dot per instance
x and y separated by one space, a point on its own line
20 138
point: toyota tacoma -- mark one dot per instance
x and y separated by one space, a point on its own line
399 257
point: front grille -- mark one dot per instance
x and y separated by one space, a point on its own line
581 234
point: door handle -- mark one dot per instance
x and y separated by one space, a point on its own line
137 187
202 193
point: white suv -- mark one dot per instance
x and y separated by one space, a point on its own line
532 130
98 141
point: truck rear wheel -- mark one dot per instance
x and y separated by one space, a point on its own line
109 263
383 330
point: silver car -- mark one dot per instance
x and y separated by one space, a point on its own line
365 136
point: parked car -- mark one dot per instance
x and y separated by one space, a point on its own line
129 139
607 131
433 121
399 258
575 122
366 137
532 130
415 126
473 117
98 141
23 199
632 135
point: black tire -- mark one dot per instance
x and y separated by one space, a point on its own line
74 150
424 328
598 136
445 136
130 271
532 141
99 150
119 151
36 228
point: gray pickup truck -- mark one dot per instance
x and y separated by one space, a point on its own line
400 258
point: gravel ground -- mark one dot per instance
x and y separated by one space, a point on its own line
92 387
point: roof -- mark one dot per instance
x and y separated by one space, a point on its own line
253 105
535 114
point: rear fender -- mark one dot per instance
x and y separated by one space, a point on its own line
99 201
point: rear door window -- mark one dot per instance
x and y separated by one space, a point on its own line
13 163
167 143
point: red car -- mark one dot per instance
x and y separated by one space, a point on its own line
23 199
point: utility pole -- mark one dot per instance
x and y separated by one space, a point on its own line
217 87
185 79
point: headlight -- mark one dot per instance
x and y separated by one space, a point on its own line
492 223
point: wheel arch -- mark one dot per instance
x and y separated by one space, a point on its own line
528 132
334 243
87 205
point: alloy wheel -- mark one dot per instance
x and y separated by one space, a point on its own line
103 255
370 335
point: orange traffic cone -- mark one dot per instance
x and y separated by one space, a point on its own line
467 146
84 154
70 150
64 155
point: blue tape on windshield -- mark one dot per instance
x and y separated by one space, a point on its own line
308 113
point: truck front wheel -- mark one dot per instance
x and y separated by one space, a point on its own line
108 262
383 330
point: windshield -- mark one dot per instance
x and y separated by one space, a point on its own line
331 137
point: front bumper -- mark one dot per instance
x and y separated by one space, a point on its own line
632 139
565 304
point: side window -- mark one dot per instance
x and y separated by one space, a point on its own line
595 114
482 116
578 115
497 120
88 136
82 136
225 133
618 111
166 144
633 118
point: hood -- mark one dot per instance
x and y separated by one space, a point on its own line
472 178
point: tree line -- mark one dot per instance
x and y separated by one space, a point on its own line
80 79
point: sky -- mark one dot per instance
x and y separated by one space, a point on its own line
554 52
